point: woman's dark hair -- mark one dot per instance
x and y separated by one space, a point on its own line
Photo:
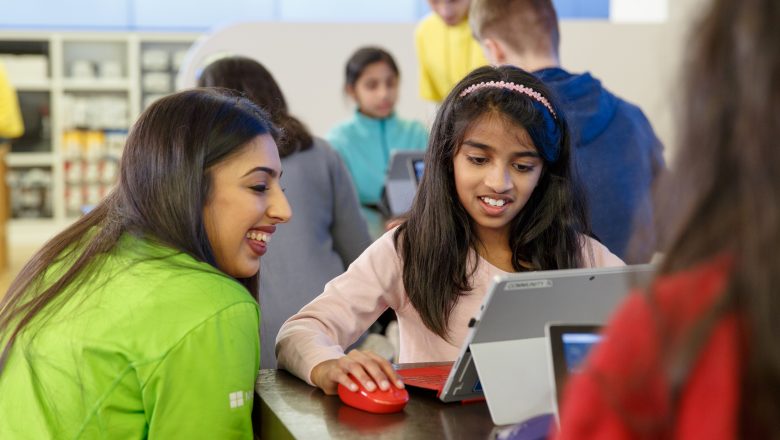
725 193
438 236
364 57
254 81
164 183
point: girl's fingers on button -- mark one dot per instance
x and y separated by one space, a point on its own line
367 369
358 372
378 375
344 379
384 372
387 368
393 376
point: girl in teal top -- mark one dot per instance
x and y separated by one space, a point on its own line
367 140
136 322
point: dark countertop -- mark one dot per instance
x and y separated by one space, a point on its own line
290 408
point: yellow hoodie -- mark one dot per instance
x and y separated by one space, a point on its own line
11 125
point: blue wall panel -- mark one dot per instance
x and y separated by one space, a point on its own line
582 9
198 15
349 10
203 14
64 13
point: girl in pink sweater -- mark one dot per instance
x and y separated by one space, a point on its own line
498 195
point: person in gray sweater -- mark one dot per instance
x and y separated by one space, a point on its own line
326 232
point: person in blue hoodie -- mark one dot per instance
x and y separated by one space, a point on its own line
367 140
617 153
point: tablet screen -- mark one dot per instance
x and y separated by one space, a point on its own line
576 347
570 345
418 166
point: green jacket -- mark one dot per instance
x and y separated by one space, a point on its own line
155 345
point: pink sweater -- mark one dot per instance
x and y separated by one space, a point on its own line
352 301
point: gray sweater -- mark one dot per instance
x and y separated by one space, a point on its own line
326 233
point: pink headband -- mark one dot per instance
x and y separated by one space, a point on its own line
519 88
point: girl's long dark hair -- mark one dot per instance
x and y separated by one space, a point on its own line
726 186
163 185
254 81
435 241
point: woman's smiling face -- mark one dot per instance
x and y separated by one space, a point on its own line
496 169
244 204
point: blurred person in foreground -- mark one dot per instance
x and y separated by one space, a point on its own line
696 356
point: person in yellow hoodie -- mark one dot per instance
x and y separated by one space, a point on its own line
446 50
11 125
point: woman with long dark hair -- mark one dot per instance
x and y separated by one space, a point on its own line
136 321
328 231
498 195
697 356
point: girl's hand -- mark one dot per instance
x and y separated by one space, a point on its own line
366 367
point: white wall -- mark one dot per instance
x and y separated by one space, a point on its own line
637 61
308 60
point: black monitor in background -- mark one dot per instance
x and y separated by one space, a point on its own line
569 345
418 166
400 182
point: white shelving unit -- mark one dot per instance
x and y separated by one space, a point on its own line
85 69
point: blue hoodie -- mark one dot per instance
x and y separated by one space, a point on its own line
618 157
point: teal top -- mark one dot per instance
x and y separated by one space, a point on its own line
366 144
154 345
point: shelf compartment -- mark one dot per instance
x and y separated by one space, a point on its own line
95 84
30 159
32 86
